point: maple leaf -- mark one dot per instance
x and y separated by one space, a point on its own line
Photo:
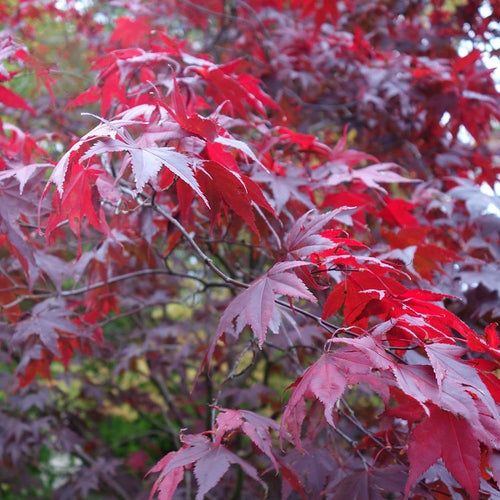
284 188
228 140
303 239
360 290
13 100
236 190
443 435
462 391
194 123
454 385
130 31
256 305
371 484
371 346
322 380
372 176
78 200
35 360
147 161
256 427
233 90
47 334
109 129
314 465
22 173
14 206
48 322
211 461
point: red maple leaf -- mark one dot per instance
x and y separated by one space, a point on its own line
11 99
210 460
451 438
323 381
255 426
256 305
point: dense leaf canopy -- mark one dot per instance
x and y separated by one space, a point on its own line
249 249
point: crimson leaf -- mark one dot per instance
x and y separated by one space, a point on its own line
256 305
211 461
443 435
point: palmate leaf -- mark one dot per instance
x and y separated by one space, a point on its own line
255 426
443 435
256 305
193 123
449 382
23 173
46 321
372 176
78 201
228 188
369 484
13 206
107 128
284 188
12 100
147 161
46 334
237 91
463 392
304 237
211 461
321 380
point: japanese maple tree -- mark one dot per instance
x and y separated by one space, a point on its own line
249 249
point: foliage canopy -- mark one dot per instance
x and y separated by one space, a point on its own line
247 248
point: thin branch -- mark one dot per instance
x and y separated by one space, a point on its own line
166 396
205 258
349 414
209 262
214 13
265 31
110 281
